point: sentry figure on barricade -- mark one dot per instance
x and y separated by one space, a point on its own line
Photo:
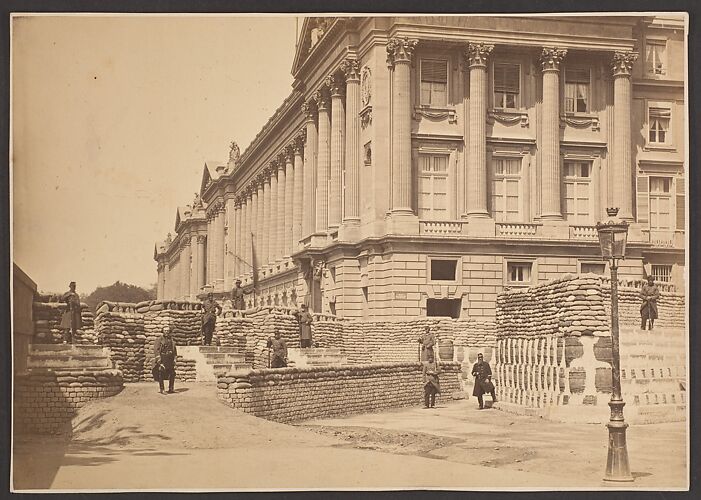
71 320
165 353
430 369
210 310
427 340
305 327
238 296
483 380
648 310
279 350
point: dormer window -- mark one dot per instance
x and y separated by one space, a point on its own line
577 84
434 82
507 79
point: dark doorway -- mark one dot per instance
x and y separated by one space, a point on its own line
443 307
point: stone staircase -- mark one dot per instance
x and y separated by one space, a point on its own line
211 361
58 357
318 356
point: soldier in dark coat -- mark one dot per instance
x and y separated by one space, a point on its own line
165 352
483 380
427 341
648 310
210 310
432 386
237 296
71 321
279 348
305 327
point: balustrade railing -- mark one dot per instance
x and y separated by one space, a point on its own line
581 232
442 227
517 230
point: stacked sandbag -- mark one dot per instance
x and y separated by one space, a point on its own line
670 305
185 325
185 370
327 331
123 333
47 319
231 330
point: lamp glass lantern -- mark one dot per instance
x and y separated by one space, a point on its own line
612 237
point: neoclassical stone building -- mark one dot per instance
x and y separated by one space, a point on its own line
422 164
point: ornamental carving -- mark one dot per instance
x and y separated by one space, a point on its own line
335 84
351 69
201 239
281 160
234 152
169 239
477 54
508 117
298 144
551 58
289 152
400 50
580 121
366 86
436 114
309 109
366 117
321 97
622 63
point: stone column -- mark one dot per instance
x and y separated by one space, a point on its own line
201 262
244 267
265 218
230 235
310 159
281 230
237 238
323 160
551 176
194 268
161 281
185 268
337 147
351 198
209 279
219 255
400 52
622 155
476 182
256 221
273 218
298 194
289 216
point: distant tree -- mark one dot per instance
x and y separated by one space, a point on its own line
118 292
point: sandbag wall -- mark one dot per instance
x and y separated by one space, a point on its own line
44 400
293 394
121 328
670 306
47 319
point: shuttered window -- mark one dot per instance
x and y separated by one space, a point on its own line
577 181
433 187
507 80
681 213
660 203
506 190
577 83
434 82
643 207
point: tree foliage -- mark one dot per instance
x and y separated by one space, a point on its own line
119 292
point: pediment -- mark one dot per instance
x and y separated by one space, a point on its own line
313 31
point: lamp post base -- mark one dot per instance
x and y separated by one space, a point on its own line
617 467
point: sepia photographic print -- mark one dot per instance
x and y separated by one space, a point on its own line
265 252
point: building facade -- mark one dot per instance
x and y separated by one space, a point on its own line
421 165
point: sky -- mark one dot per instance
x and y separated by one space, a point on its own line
112 121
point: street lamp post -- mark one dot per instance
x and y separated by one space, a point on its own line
612 238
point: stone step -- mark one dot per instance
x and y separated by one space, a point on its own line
52 349
205 349
213 357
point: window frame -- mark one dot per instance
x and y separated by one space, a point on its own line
659 105
458 269
431 104
589 88
602 262
509 261
505 178
578 180
517 100
656 42
660 195
432 175
657 277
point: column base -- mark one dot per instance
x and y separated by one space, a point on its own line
402 222
551 216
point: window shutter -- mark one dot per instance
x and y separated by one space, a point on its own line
643 206
681 214
434 71
506 78
577 75
660 113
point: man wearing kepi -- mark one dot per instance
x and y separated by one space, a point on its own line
210 310
279 349
427 341
165 352
483 380
71 321
648 310
305 327
237 297
432 386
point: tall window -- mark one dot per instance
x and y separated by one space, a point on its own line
577 179
507 78
434 82
577 85
661 273
656 56
658 119
506 180
433 187
660 203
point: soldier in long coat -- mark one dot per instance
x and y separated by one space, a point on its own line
71 320
279 349
430 370
648 310
210 310
483 380
237 296
305 327
165 353
427 341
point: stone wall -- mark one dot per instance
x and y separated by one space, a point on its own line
292 394
44 400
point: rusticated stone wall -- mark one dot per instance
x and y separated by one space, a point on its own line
44 400
293 394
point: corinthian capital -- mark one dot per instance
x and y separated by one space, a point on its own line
622 63
321 97
309 109
351 70
477 54
400 50
551 58
299 141
335 84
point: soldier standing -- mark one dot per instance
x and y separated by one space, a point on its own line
71 321
432 385
237 296
210 310
483 380
165 352
279 348
648 310
427 341
305 327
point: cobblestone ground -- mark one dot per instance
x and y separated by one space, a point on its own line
140 439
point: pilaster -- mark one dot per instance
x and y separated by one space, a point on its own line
351 199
